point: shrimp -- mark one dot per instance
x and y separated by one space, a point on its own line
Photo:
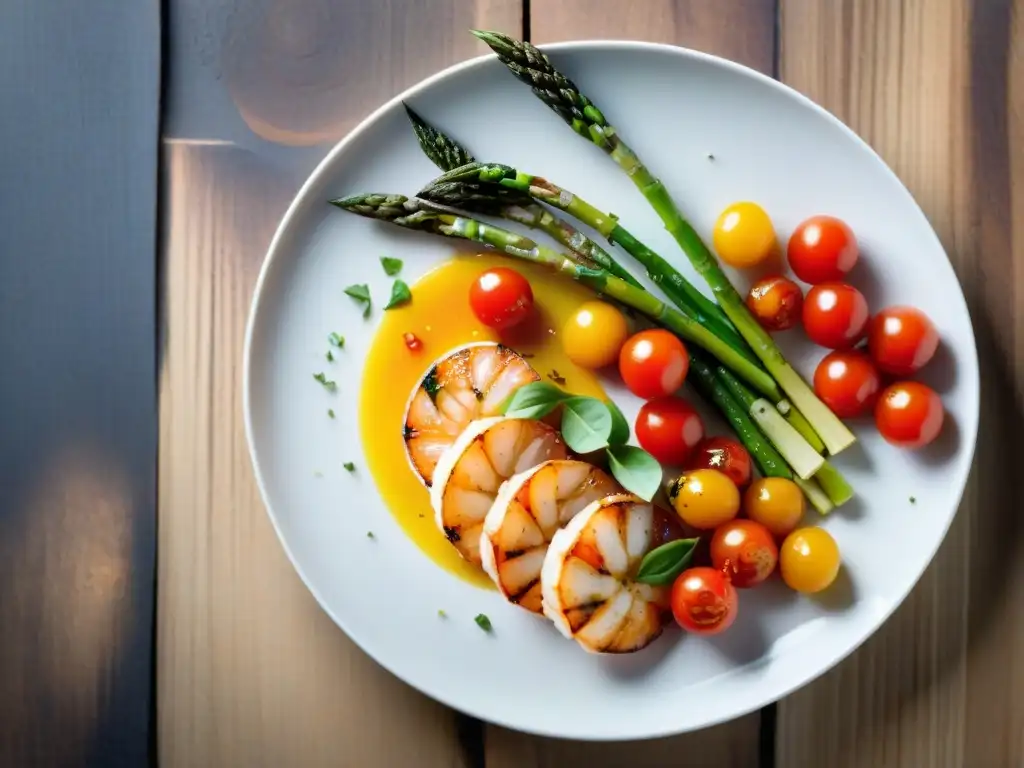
469 474
469 383
528 511
587 579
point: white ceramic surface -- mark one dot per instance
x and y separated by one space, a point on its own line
675 107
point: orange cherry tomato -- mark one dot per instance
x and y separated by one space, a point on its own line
724 454
909 414
745 551
822 249
669 428
835 315
703 601
847 382
776 302
501 298
653 363
901 340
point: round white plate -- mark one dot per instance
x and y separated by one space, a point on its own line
675 107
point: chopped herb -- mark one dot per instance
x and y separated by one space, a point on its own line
327 383
361 293
400 294
330 412
483 622
913 500
556 377
349 466
330 357
441 613
369 534
711 157
336 340
391 266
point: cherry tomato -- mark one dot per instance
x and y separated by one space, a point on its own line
594 335
776 503
724 454
744 235
653 363
704 498
835 315
847 382
776 302
822 249
703 601
901 340
669 428
909 414
745 551
501 298
809 560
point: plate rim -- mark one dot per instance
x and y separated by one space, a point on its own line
969 432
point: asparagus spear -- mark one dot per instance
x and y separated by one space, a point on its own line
562 95
419 214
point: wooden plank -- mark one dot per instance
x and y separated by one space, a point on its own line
743 31
250 671
927 83
80 97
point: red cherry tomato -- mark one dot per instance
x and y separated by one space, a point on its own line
909 414
669 428
501 298
776 302
901 340
835 315
847 382
724 454
653 363
822 249
745 551
703 601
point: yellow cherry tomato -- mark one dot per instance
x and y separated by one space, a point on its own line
744 235
776 503
594 335
809 560
705 498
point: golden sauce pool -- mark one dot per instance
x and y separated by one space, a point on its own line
439 315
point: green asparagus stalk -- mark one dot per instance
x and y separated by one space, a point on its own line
421 215
562 95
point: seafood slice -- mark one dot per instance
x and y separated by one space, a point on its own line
587 577
470 473
468 383
529 510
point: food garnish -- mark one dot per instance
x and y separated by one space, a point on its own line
412 341
391 265
327 384
400 294
361 293
336 340
349 466
483 622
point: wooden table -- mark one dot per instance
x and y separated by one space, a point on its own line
249 671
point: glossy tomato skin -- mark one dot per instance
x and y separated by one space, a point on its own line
777 503
593 336
653 363
743 235
703 601
847 382
501 298
704 498
776 301
909 414
745 551
809 560
724 454
834 315
822 249
669 428
902 340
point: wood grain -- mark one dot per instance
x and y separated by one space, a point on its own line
250 670
743 31
935 86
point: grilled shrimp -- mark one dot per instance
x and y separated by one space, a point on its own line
528 511
468 383
470 473
587 577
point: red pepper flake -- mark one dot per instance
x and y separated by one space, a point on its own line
412 341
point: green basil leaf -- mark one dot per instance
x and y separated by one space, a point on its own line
635 469
620 427
661 566
400 294
534 401
586 424
361 293
391 266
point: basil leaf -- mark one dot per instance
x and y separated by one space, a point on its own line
620 427
635 469
661 566
400 294
534 401
360 293
586 424
391 266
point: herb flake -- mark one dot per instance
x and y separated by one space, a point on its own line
361 293
391 265
330 413
349 466
441 614
369 535
557 378
336 340
400 294
483 622
330 356
327 384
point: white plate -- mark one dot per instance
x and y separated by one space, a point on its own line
674 107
